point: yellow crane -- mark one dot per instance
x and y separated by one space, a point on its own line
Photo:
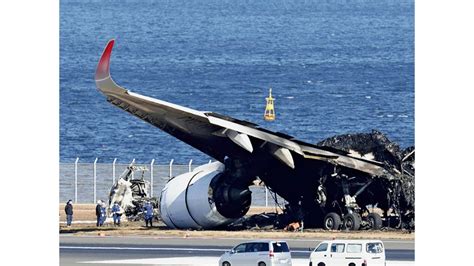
269 109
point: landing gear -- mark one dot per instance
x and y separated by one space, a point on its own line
332 221
348 208
375 221
352 221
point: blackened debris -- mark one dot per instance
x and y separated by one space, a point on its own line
136 212
132 194
400 164
393 191
374 144
265 221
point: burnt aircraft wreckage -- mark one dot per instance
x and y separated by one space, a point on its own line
132 193
328 185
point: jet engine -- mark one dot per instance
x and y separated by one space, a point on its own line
203 199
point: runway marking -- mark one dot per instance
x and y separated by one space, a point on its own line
204 260
198 261
163 261
143 248
158 249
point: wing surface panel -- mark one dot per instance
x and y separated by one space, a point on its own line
214 134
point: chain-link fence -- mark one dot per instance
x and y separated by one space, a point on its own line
89 182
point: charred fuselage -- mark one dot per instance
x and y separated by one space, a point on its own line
313 190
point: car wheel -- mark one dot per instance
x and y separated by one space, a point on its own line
375 221
226 263
352 264
321 264
352 221
262 263
332 221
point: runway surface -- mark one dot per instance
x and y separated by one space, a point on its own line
87 250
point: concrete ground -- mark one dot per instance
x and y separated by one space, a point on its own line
150 250
84 224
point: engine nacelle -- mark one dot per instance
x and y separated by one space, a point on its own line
192 200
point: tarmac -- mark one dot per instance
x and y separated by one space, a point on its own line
133 244
132 250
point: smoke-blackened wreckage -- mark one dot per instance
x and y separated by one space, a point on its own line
132 193
334 184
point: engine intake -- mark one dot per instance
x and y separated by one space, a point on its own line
201 200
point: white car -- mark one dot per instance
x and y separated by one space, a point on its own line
348 253
259 253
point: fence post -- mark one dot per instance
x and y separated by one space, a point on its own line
75 180
133 172
113 171
151 177
266 196
95 179
171 168
189 165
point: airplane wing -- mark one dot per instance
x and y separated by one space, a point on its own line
219 135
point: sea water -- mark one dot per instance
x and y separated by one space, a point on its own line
334 66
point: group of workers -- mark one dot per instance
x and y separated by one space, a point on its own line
101 213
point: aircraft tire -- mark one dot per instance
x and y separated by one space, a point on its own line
375 221
352 221
332 221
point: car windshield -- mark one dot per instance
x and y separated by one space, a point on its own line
322 247
280 247
240 248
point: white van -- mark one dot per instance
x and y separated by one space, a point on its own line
258 253
348 253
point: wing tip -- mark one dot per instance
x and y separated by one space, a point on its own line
103 68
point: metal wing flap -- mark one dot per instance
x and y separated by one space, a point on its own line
255 132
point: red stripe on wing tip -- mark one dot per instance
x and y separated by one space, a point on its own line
103 68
